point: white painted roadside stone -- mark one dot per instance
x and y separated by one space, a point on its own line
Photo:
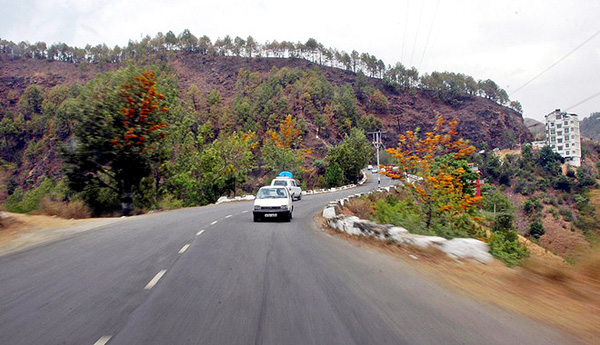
348 225
329 213
396 231
469 249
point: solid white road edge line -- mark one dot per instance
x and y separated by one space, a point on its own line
199 232
155 280
103 340
213 223
183 249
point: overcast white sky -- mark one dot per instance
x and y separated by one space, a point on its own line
508 41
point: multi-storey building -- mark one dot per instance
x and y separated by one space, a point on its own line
563 136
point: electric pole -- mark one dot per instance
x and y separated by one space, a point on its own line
377 143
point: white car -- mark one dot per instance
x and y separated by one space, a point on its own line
273 202
292 186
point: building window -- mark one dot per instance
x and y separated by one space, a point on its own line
552 131
558 117
552 138
560 148
558 125
559 133
559 140
551 124
567 145
567 153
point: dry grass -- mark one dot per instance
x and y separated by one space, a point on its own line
359 207
69 210
544 288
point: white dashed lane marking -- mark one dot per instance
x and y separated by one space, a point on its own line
199 232
213 223
228 216
155 280
245 211
183 249
103 340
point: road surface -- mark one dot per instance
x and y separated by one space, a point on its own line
210 275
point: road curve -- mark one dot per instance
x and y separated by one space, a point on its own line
210 275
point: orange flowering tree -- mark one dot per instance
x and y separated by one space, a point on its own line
120 126
283 149
435 167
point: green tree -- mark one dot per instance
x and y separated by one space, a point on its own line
352 155
31 101
282 149
334 176
119 126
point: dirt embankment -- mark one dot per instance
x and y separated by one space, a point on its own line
20 231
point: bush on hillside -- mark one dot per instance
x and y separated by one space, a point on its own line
536 230
503 247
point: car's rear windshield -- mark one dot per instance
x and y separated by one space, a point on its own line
271 193
279 183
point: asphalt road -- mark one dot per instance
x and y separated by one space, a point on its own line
209 275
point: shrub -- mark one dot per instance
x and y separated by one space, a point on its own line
537 204
494 200
169 202
402 213
528 206
563 183
26 202
542 183
524 187
566 214
536 230
74 209
506 247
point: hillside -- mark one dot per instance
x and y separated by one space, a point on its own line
536 128
325 102
481 120
590 126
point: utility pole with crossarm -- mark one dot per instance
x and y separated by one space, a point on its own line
377 143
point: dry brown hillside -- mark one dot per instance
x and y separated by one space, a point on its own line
481 120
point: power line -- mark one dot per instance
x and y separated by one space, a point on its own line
417 34
583 101
556 63
405 27
429 33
